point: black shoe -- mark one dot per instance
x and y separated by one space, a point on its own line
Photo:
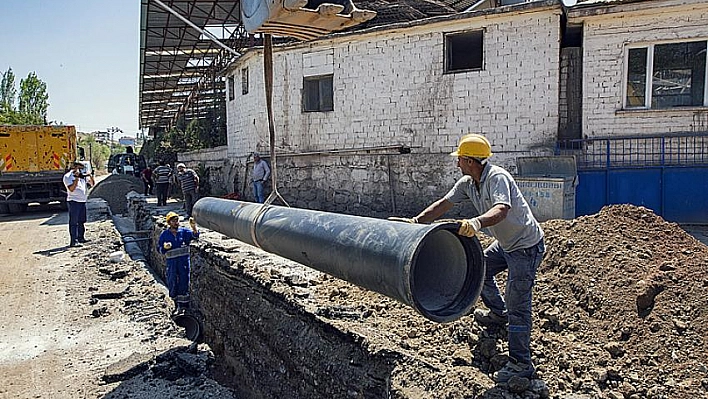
75 244
488 318
83 241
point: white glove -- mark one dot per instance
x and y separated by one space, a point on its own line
193 224
469 227
167 245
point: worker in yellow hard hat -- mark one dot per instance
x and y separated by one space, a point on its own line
518 246
174 244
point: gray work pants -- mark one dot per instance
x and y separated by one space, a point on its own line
516 303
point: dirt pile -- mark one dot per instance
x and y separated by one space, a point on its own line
114 188
621 307
620 311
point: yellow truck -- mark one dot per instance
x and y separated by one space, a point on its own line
33 161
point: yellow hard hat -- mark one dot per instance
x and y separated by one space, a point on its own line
170 216
474 146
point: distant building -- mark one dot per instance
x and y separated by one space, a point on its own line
127 140
101 137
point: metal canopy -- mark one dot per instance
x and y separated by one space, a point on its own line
179 65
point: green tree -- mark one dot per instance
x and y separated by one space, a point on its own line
33 100
7 92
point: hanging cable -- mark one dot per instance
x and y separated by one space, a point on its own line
268 72
268 77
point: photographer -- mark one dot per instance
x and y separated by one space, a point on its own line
77 184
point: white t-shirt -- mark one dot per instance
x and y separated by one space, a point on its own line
80 192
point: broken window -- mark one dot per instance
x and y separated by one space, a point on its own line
666 75
244 81
318 94
464 51
232 88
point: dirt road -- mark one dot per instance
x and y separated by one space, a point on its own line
69 315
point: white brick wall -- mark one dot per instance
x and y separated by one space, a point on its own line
389 88
605 38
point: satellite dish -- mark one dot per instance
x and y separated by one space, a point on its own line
569 3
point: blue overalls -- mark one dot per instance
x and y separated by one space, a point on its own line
178 263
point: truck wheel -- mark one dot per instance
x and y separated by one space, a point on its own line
17 208
4 208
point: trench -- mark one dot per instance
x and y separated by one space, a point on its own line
261 324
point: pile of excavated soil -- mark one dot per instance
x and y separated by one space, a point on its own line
621 307
114 188
620 311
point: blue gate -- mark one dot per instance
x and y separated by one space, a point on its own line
668 174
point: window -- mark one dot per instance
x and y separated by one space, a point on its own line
666 75
318 94
464 51
232 88
244 81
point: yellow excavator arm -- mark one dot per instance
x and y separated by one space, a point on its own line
301 19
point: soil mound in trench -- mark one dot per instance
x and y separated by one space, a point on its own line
621 306
114 188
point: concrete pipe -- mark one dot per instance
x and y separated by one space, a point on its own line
428 267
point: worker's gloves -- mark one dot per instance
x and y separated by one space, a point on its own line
469 227
404 220
167 246
193 224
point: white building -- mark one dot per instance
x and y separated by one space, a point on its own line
348 106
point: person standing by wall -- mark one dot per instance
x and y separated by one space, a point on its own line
518 246
77 185
189 182
146 177
260 174
174 244
162 176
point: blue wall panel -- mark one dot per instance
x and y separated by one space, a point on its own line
636 186
591 192
678 194
686 195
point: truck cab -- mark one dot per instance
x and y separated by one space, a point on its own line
126 163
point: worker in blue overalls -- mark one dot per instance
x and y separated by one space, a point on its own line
174 244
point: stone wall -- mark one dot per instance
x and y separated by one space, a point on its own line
216 170
607 33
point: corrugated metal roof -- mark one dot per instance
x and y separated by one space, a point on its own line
179 67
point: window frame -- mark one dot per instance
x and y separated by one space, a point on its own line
321 106
231 83
649 74
447 49
244 81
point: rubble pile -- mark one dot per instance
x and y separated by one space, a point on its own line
621 307
114 188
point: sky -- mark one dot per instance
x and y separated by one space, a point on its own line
86 51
